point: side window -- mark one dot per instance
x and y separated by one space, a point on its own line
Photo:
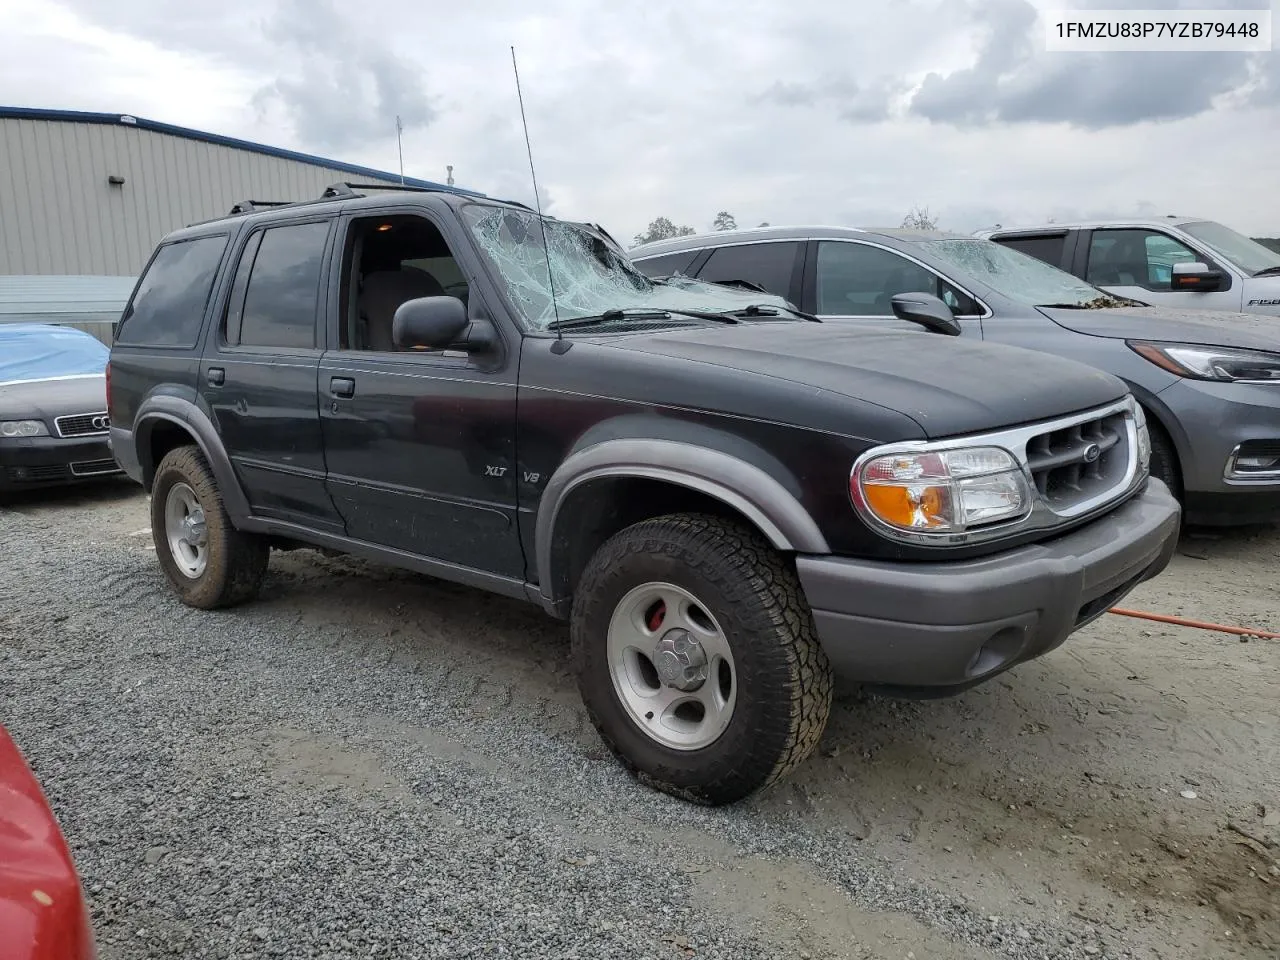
168 307
1142 258
1047 248
860 280
281 289
667 264
386 261
768 264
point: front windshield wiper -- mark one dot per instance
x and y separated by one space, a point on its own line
609 316
1269 271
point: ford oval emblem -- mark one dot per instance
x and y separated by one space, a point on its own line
1092 452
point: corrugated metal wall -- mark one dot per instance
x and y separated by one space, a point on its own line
58 214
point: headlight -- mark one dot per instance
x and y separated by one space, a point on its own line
1144 438
940 492
1211 363
23 428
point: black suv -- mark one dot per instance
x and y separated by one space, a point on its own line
728 501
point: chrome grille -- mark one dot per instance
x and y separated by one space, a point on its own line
1082 463
82 424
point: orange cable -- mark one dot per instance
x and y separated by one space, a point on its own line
1198 624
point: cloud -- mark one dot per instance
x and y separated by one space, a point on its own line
343 86
1013 81
854 102
788 113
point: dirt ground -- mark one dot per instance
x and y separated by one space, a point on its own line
1129 780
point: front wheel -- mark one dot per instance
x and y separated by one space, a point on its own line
697 657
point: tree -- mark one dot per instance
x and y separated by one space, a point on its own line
724 221
764 223
919 219
662 229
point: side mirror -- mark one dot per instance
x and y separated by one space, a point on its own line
430 322
928 311
1199 277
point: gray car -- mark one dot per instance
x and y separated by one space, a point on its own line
1209 381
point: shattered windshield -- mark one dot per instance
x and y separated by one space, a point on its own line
590 275
1017 275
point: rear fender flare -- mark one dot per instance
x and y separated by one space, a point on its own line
165 408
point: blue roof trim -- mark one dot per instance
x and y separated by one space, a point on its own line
141 123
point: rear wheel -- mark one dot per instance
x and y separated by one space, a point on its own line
697 658
209 563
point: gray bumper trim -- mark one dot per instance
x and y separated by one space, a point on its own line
956 624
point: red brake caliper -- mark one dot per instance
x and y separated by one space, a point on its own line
657 614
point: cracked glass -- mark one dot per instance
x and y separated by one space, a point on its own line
590 273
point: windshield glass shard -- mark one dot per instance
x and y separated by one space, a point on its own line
590 275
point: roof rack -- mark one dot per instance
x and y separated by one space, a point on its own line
342 190
248 206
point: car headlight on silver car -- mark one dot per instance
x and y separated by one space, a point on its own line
1230 364
940 491
23 428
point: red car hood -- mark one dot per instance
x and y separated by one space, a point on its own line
42 909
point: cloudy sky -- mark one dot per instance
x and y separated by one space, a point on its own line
819 111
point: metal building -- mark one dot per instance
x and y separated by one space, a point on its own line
91 193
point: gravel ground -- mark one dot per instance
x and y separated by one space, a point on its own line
367 763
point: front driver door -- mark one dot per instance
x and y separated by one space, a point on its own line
1138 263
419 446
853 280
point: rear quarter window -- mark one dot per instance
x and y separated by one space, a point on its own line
168 307
1046 248
667 264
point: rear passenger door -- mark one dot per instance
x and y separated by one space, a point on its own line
260 366
853 280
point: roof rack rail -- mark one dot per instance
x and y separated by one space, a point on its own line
248 206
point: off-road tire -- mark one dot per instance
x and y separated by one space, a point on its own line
783 677
236 561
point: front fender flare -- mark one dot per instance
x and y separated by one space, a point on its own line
746 488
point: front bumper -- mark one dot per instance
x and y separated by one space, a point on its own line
1214 418
937 628
30 462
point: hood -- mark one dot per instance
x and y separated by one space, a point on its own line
948 385
46 399
1208 328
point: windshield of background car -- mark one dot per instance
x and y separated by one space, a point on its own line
589 275
1018 276
1249 255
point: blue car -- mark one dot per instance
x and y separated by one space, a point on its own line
53 407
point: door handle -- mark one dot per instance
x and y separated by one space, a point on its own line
343 387
217 376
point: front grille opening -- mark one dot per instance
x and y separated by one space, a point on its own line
1080 464
38 473
82 424
89 468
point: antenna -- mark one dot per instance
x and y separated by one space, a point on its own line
542 224
400 147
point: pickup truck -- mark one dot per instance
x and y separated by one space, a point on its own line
729 502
